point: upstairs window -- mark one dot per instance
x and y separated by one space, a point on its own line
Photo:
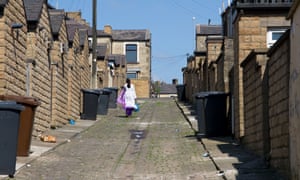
131 53
273 35
131 75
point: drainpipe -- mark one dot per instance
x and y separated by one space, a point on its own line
53 122
232 116
29 62
28 69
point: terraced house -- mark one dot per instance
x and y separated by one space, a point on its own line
46 56
257 66
135 46
208 45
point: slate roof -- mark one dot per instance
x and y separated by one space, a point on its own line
33 9
101 50
124 35
72 26
131 35
209 29
100 33
56 19
119 59
168 88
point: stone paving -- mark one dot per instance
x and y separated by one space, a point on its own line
157 143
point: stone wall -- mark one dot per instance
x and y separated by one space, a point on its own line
250 33
40 74
255 98
32 64
212 76
224 64
59 82
141 87
143 64
189 73
213 46
294 90
74 82
278 77
13 49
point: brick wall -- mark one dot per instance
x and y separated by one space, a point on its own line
194 76
63 91
224 64
255 97
40 81
250 33
201 43
189 78
246 28
212 76
59 83
141 87
278 74
74 80
198 76
102 73
220 82
12 50
213 46
84 62
294 97
201 67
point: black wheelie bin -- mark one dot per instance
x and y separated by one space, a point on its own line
26 121
90 104
9 128
211 113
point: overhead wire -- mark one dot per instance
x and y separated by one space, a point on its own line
169 57
202 5
79 5
165 67
188 11
168 63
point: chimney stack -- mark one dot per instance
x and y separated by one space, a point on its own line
175 81
108 29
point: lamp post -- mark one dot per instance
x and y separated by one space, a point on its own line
194 33
94 64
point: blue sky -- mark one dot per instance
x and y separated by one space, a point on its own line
171 23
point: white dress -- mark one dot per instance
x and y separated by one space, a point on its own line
129 96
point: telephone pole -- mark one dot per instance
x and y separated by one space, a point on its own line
94 45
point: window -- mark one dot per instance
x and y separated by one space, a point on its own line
90 41
131 53
131 75
273 35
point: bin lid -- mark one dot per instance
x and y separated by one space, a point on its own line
91 91
112 88
205 94
26 100
105 91
180 85
10 105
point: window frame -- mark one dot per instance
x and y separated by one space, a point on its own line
135 75
270 40
136 51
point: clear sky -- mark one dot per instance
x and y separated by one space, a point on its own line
171 23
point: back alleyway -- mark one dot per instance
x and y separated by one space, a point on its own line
156 143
